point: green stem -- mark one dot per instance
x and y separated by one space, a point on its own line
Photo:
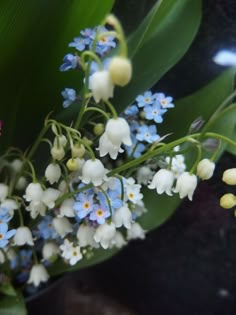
199 155
95 109
112 109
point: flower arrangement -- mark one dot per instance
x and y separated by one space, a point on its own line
100 173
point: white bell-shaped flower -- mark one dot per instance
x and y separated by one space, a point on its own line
118 241
35 208
62 226
162 181
50 250
61 140
118 131
10 205
104 234
122 217
21 183
144 175
205 169
23 236
66 208
101 86
85 235
49 197
33 192
94 172
186 185
16 165
3 191
53 173
38 274
135 232
107 147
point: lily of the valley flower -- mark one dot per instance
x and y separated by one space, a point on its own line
107 147
38 274
33 192
162 181
62 226
186 185
101 85
23 236
118 131
122 217
94 172
104 234
85 235
3 191
53 173
50 250
136 231
229 176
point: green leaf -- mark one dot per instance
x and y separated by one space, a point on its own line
202 103
34 37
7 289
12 305
158 44
99 256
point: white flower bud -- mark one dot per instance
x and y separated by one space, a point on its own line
33 192
186 185
53 173
16 165
135 232
101 85
98 129
50 250
57 153
37 275
104 234
61 140
205 169
21 183
93 171
78 150
118 131
62 226
35 208
120 70
163 181
85 235
23 236
229 176
73 164
3 191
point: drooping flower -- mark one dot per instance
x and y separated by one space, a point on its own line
94 172
101 86
53 173
33 192
50 250
118 131
37 275
229 176
104 234
85 235
107 147
186 185
62 226
122 217
136 231
162 181
23 236
120 70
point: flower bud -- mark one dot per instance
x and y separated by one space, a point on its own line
21 183
229 176
73 164
61 140
57 153
98 129
205 169
120 71
16 165
101 85
227 201
186 185
78 150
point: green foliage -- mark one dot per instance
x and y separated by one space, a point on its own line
12 305
158 44
34 37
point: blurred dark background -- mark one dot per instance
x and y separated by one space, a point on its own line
188 265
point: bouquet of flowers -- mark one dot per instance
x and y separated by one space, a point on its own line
115 163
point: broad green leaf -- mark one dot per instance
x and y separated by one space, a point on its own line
99 256
158 44
203 102
7 289
34 37
12 305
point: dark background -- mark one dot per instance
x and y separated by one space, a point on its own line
188 266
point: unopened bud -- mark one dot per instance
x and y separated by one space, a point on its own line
98 129
73 164
196 125
120 71
227 201
78 150
58 153
229 176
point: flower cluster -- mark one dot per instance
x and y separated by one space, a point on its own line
89 195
